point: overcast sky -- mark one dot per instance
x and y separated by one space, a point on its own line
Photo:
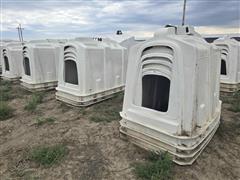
68 19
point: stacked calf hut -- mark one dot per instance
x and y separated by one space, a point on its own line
91 70
171 100
12 61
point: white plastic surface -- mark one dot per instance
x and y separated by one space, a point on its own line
193 113
100 70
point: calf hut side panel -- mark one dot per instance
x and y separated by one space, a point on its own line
98 68
230 64
171 100
12 58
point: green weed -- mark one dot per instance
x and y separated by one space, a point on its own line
158 167
33 102
106 111
48 155
6 111
41 121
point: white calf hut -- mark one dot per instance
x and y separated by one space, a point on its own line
2 45
171 100
91 70
1 55
12 59
230 64
40 65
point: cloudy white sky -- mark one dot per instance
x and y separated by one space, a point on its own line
74 18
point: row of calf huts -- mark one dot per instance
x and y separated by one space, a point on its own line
171 82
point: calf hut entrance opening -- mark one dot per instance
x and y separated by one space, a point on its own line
223 67
6 63
26 65
155 92
71 75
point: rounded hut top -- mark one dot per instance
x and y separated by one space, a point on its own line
170 35
48 40
93 42
176 30
13 45
184 36
45 43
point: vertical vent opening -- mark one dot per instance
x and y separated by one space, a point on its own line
223 67
155 92
26 65
71 75
6 63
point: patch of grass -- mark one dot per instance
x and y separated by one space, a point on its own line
23 174
19 92
235 104
5 88
5 82
64 107
48 155
105 116
226 100
229 129
158 167
5 91
5 96
235 107
9 91
6 111
82 111
35 99
98 118
41 121
106 111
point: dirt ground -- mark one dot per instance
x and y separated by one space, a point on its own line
95 150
